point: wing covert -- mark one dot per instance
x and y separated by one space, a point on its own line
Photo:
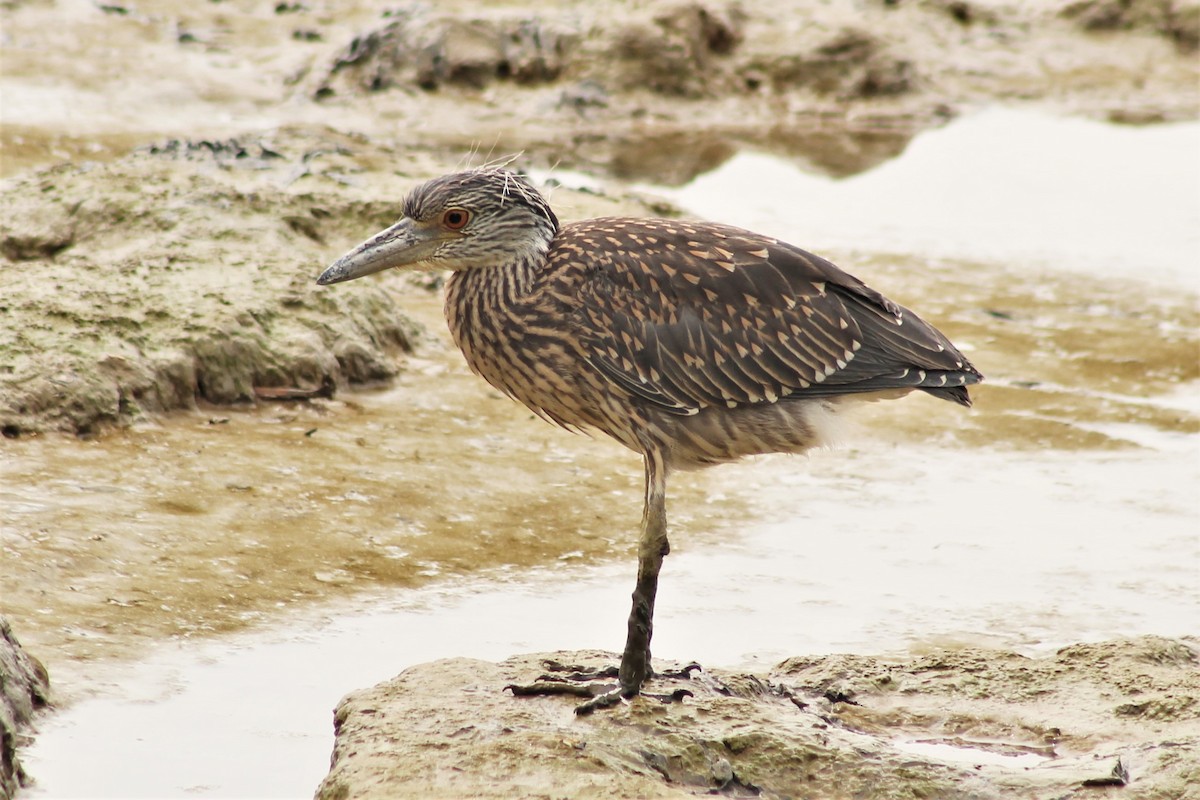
691 316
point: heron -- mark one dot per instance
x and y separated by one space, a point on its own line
690 343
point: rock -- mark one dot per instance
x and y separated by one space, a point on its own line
183 273
24 688
430 51
678 49
1178 20
671 49
949 723
852 64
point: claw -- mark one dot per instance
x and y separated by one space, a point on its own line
674 697
684 674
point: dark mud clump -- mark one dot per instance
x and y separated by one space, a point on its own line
1177 20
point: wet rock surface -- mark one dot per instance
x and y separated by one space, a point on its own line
965 722
24 688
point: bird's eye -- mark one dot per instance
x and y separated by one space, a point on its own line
456 218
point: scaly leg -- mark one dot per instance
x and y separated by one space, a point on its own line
653 546
635 661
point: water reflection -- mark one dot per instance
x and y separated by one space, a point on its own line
1005 186
827 146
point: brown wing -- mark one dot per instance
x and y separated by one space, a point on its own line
687 316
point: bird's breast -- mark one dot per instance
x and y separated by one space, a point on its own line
523 345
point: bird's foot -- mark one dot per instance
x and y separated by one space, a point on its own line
574 681
600 696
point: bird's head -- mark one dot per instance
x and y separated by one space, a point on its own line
479 218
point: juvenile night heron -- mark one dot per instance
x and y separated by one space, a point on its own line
690 343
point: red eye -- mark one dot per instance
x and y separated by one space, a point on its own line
456 218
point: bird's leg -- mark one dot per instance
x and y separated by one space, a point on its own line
652 547
635 661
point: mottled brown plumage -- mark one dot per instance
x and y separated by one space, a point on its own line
690 343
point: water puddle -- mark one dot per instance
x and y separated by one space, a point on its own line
1004 186
919 556
412 525
973 753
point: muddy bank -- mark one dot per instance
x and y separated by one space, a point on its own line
664 91
947 723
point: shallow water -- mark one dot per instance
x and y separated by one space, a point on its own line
921 558
1006 186
983 532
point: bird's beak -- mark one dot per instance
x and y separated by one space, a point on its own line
401 245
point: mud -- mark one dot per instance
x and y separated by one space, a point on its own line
966 722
